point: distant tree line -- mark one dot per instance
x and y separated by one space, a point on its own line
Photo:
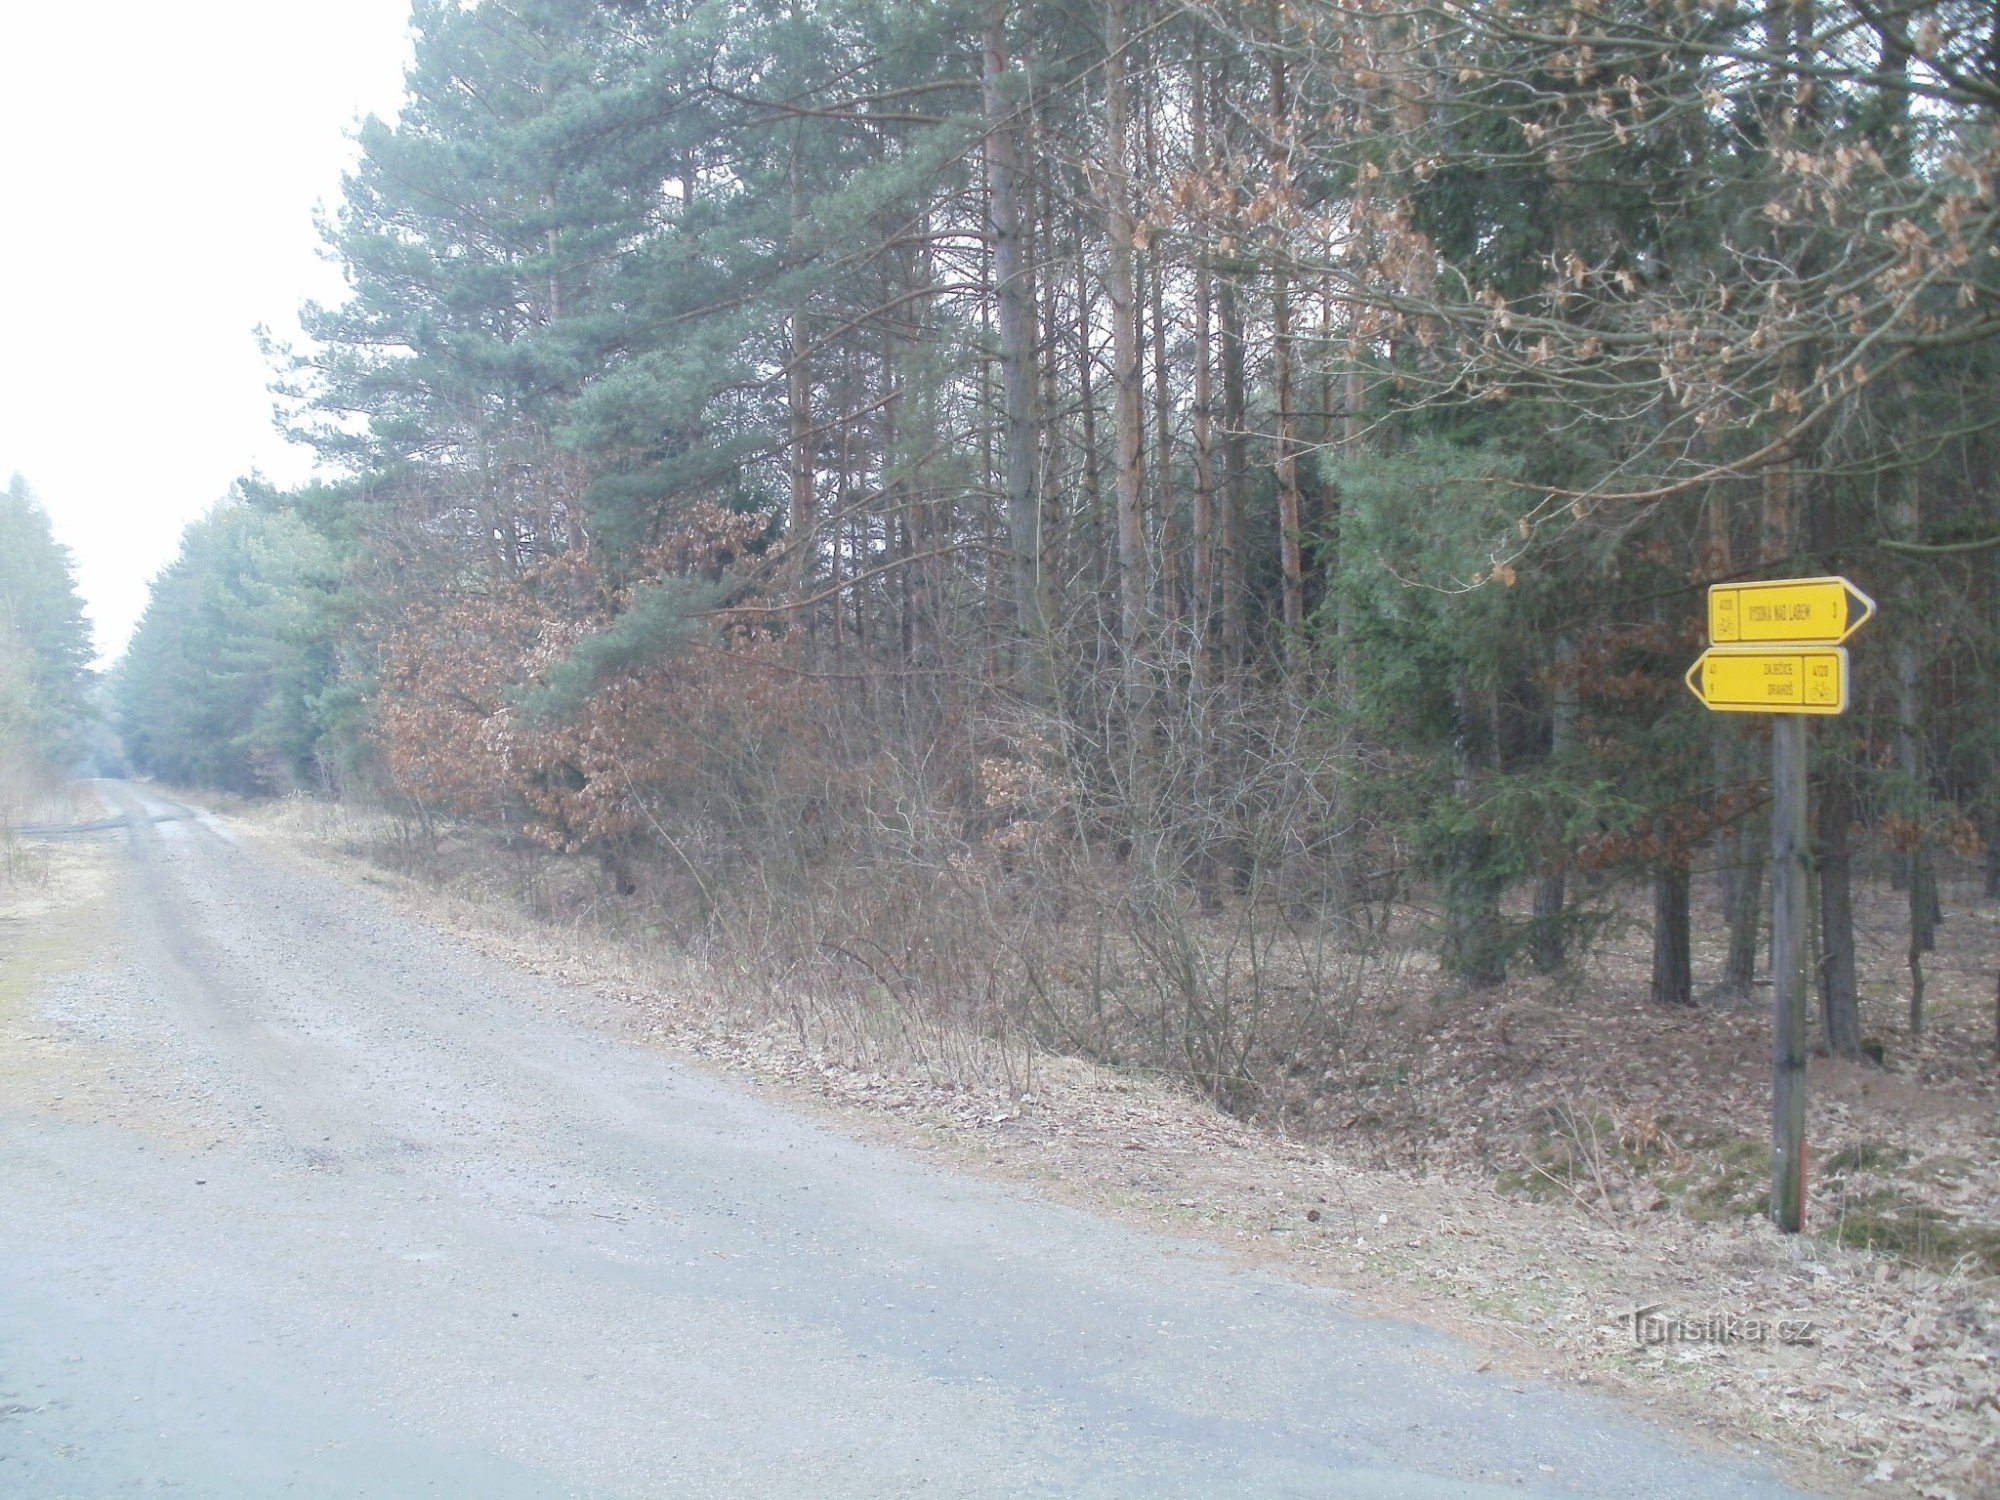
45 653
230 679
959 466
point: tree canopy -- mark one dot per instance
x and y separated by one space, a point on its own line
45 646
230 680
1270 452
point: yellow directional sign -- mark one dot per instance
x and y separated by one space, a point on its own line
1797 611
1778 652
1771 679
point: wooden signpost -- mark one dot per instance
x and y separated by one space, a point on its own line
1777 651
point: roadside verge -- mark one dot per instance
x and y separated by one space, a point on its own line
1858 1370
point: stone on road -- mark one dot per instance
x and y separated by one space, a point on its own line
301 1197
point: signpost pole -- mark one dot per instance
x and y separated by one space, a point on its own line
1788 970
1775 648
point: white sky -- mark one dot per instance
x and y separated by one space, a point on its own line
159 170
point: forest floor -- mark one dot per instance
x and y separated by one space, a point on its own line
1559 1170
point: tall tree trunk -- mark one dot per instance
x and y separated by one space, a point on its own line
1474 952
1673 969
1839 994
910 425
1099 534
1673 966
1086 399
1231 563
1015 292
1920 889
1746 915
1290 526
1915 958
1128 419
1202 591
1742 750
1235 470
1164 504
1055 496
996 585
802 517
1778 514
1550 949
1550 891
1834 968
1790 835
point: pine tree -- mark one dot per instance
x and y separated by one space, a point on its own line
45 647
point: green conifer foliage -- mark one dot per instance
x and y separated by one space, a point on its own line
45 648
226 680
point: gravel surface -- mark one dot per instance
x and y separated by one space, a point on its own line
301 1197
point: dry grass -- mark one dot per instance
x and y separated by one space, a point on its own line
46 917
26 862
1518 1164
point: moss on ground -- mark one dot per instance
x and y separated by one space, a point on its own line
1721 1179
1879 1212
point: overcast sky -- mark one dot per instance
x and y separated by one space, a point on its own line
159 170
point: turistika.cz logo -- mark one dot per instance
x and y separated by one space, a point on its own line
1652 1325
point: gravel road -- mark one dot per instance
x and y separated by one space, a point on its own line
301 1197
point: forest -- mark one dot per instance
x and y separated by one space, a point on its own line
46 686
1097 516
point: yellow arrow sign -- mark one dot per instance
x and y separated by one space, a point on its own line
1771 679
1797 611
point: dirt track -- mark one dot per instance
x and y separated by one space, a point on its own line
304 1198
